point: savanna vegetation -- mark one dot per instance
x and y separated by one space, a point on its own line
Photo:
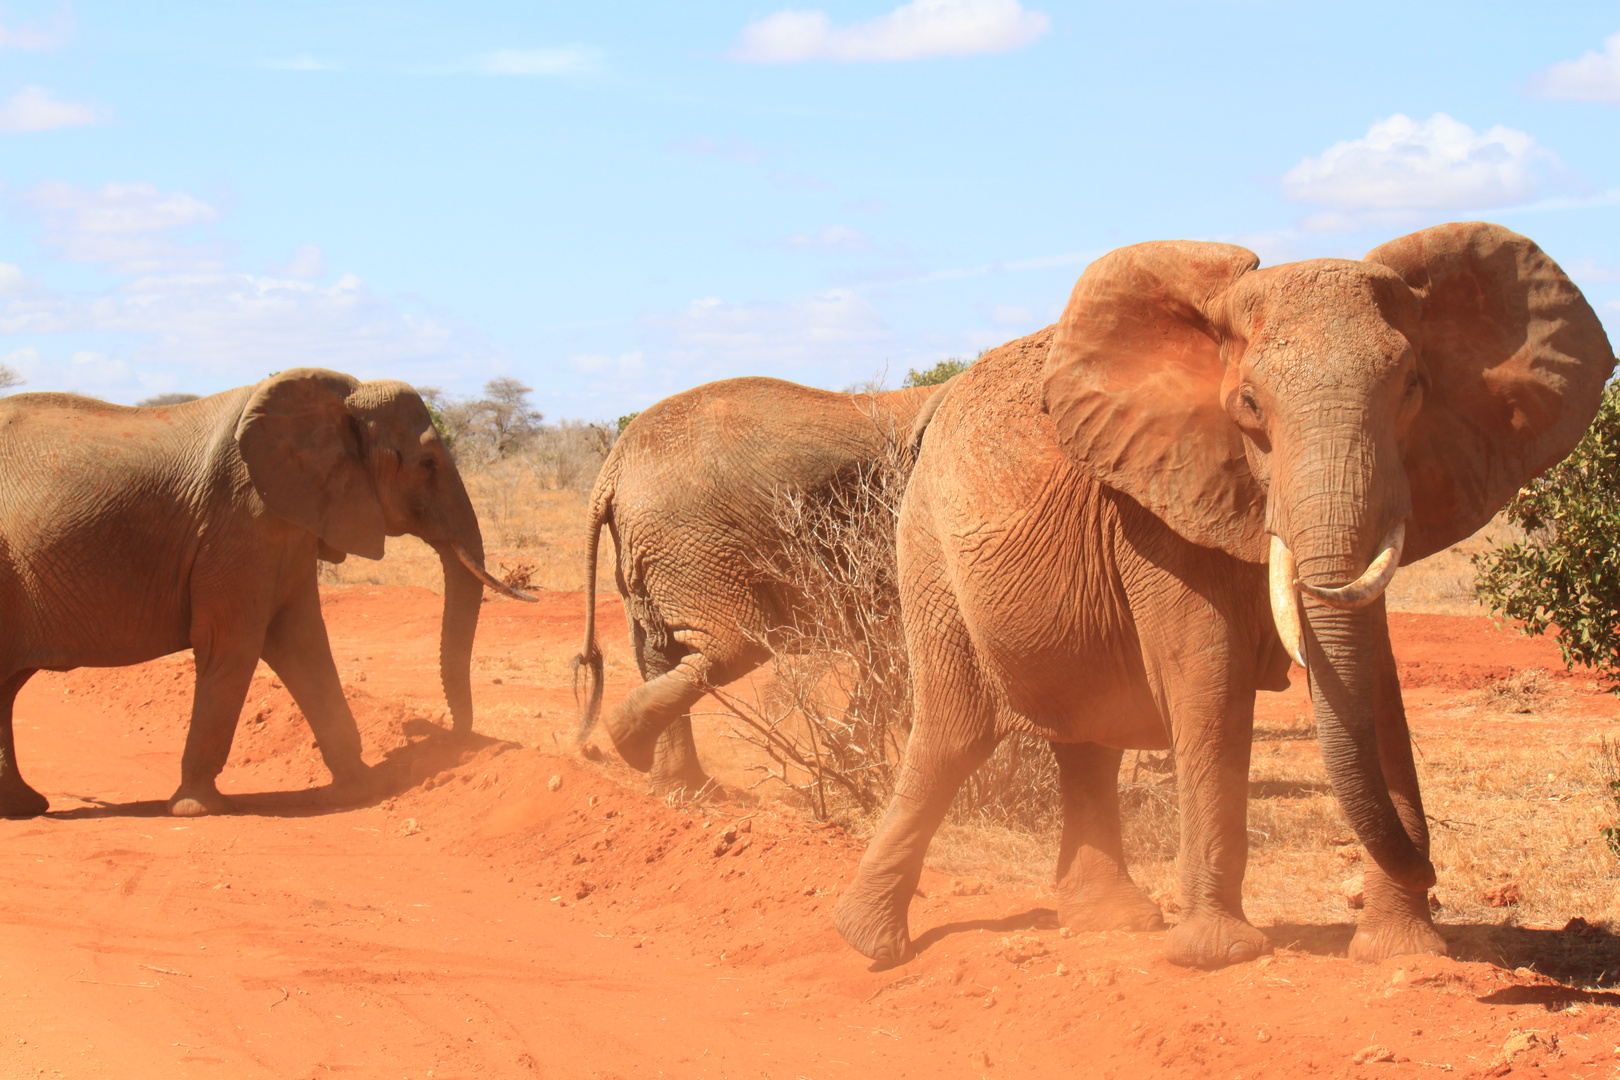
1517 780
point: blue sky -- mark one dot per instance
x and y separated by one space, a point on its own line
616 201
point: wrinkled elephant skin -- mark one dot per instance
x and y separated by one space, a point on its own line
130 533
688 497
1083 546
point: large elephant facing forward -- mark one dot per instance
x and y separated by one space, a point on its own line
1084 543
129 533
687 494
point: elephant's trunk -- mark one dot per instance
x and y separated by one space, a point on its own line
1342 662
463 596
1339 505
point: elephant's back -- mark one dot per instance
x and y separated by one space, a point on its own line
755 435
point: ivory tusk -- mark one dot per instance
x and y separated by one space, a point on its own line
1285 599
489 579
1371 584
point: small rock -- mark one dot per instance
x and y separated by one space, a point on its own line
429 783
1434 902
969 886
1065 932
496 681
1369 1054
1167 900
591 752
740 846
554 784
1354 890
1021 948
979 1059
1262 1036
409 827
1063 969
1505 894
746 825
443 778
1349 854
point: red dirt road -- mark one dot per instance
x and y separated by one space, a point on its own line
489 921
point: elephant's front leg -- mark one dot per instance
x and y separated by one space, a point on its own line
1095 890
224 672
297 649
871 915
1213 732
1395 921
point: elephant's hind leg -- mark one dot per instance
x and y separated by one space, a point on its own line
1095 890
17 799
647 712
675 764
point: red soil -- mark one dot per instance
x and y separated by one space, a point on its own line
517 913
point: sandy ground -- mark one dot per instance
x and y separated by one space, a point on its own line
513 911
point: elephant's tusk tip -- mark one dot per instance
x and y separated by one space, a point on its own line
527 598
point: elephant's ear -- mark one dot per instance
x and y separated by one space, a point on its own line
1133 384
1515 361
306 454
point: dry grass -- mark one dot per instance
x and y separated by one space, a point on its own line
526 525
1514 795
1443 584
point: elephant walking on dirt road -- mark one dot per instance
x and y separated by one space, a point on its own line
688 495
130 533
1084 547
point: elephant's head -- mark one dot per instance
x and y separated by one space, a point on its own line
354 462
1349 416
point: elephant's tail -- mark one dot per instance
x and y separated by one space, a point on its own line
925 415
589 660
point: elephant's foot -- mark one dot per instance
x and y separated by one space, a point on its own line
18 800
873 925
675 769
1120 906
635 743
1394 922
355 786
200 800
1213 940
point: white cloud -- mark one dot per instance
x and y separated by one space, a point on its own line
625 365
127 226
832 238
182 314
34 109
1010 315
914 31
567 60
307 263
736 150
39 36
1403 165
1594 76
827 338
788 181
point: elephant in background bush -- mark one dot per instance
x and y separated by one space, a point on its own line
688 496
130 533
1085 541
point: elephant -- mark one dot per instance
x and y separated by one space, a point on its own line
130 533
687 495
1120 528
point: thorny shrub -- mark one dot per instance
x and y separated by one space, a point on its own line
1566 572
1609 763
834 720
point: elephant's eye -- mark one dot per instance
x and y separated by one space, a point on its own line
430 466
1249 403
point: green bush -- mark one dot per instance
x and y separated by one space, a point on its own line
940 372
1566 572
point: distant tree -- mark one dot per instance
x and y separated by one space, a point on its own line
1566 572
171 398
9 377
941 372
624 421
434 399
